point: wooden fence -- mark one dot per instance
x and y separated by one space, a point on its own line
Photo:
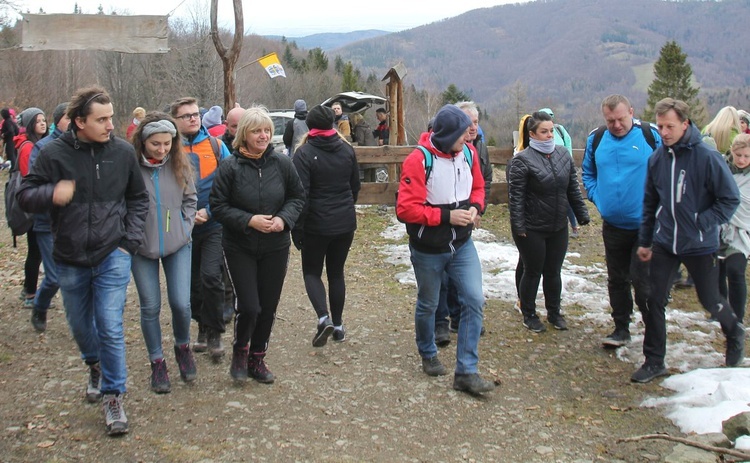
393 156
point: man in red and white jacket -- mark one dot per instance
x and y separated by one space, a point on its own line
440 212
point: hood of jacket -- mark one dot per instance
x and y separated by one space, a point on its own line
426 142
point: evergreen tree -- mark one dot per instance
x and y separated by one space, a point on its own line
453 95
318 59
672 78
350 78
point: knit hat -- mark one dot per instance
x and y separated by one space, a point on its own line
300 106
59 112
744 115
160 126
27 115
548 111
212 117
320 117
450 125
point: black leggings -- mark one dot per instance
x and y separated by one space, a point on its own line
333 250
732 284
542 254
31 267
257 283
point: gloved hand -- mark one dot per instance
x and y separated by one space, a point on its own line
298 238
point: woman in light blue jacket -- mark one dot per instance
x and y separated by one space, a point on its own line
168 176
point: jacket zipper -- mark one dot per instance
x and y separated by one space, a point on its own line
673 200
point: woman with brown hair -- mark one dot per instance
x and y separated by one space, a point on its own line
168 175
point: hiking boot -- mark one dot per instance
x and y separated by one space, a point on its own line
160 377
39 320
453 325
200 344
618 338
339 334
94 386
28 303
325 329
114 415
472 383
648 372
215 348
257 369
185 362
574 233
534 324
238 369
433 367
517 306
558 322
442 335
736 347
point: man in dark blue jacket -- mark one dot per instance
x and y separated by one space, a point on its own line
614 174
689 193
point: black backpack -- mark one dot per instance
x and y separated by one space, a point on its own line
599 133
19 221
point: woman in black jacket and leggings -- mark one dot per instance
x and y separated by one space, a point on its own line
257 197
324 232
542 182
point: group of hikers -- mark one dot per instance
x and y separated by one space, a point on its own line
220 213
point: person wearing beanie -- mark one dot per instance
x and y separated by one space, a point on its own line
439 213
43 229
328 169
744 121
167 173
138 114
542 181
296 128
34 128
212 121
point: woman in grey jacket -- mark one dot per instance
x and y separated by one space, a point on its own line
169 180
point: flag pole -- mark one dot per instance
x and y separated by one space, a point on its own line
248 64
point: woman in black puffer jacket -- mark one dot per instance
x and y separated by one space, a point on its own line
542 182
257 197
324 232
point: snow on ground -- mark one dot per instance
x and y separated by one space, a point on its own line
705 394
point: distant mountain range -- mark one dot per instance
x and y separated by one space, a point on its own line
569 54
331 40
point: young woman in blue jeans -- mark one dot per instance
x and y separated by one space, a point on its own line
169 180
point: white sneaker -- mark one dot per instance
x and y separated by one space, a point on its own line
114 415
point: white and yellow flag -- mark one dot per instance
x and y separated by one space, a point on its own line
272 65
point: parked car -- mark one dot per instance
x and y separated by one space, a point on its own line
358 102
280 117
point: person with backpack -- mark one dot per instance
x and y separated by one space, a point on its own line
296 128
207 279
440 196
542 182
43 230
614 172
328 169
168 176
34 129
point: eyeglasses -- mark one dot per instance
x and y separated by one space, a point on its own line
187 117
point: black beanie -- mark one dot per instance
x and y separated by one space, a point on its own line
450 124
320 117
59 112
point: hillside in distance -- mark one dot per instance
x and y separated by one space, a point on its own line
331 40
569 54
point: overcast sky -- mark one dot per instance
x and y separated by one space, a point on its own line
292 18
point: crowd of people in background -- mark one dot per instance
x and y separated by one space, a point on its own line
207 199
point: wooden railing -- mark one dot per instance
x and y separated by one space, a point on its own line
393 156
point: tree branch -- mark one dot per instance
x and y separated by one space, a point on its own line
710 448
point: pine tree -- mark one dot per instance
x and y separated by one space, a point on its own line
672 78
453 95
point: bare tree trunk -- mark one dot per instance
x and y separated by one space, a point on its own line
228 57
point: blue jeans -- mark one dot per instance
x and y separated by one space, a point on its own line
146 277
463 267
49 285
448 305
94 299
